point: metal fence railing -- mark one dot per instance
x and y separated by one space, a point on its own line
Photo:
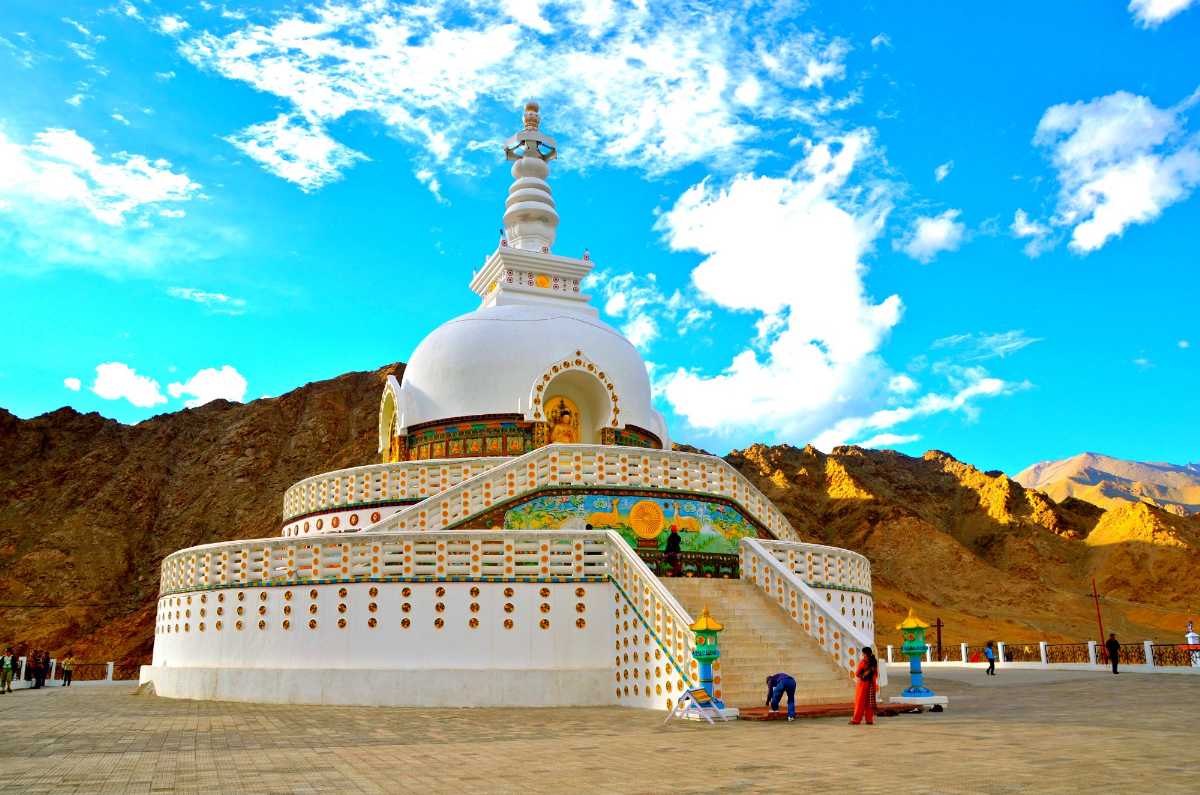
1068 653
1022 652
1168 655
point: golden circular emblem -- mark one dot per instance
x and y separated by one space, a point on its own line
542 280
646 518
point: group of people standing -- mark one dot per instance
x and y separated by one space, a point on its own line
37 668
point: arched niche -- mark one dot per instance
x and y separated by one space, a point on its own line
589 394
388 415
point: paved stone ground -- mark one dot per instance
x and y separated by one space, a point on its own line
1019 732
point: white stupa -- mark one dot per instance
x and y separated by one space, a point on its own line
508 548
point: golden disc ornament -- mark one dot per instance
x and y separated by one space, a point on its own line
647 519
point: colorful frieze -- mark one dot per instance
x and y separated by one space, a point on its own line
645 522
633 436
470 438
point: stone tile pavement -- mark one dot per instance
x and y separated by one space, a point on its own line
1019 732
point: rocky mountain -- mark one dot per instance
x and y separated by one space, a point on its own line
1109 482
89 508
988 556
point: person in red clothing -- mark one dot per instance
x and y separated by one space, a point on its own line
864 691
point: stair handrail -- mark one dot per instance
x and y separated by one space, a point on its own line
787 584
757 505
676 620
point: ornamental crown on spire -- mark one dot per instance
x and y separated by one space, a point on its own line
530 220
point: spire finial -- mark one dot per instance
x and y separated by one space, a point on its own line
530 219
532 117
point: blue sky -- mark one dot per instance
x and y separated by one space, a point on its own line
910 225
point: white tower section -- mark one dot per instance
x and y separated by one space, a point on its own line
522 271
530 220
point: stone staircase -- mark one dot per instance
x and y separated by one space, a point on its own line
760 639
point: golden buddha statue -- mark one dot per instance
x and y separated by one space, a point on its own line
564 428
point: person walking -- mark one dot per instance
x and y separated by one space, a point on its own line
68 666
989 653
866 676
777 685
1113 647
8 669
35 661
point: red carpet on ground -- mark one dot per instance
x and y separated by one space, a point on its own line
820 711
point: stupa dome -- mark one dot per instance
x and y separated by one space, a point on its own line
512 359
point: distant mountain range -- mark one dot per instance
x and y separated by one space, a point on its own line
1108 482
89 507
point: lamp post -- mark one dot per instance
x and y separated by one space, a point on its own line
912 631
707 651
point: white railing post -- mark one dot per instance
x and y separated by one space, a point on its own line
1000 660
108 676
962 649
53 667
890 653
928 653
1042 651
1148 648
21 678
1091 652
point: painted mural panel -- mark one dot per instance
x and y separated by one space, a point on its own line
645 522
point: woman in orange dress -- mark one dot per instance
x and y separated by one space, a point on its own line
864 693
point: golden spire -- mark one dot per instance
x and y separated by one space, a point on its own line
706 622
912 622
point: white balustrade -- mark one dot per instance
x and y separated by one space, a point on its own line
578 465
653 637
376 483
575 554
780 569
821 566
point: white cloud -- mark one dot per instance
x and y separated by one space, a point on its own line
789 249
297 150
973 347
1038 233
211 384
880 40
902 384
76 99
73 384
119 381
171 25
61 167
220 303
1184 344
1120 160
1152 13
641 307
427 178
932 235
121 119
971 384
657 85
889 440
1143 362
943 171
528 13
168 75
